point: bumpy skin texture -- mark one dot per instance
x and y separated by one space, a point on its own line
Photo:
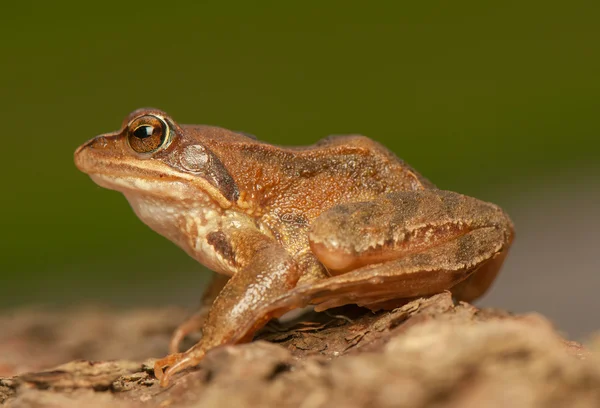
342 221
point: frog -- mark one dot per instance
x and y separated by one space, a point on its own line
343 221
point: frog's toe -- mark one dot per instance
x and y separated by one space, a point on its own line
168 361
176 362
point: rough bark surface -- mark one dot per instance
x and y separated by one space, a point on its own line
429 353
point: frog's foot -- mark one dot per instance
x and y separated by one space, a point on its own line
176 362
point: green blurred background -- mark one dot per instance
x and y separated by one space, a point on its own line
494 99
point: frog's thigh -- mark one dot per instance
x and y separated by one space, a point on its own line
350 236
432 271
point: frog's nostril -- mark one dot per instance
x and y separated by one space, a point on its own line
93 145
99 143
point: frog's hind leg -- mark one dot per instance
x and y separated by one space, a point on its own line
407 244
385 285
195 322
479 281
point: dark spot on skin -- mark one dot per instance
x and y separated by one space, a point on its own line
407 206
466 249
421 259
364 214
292 218
221 245
342 210
450 202
228 187
213 170
218 176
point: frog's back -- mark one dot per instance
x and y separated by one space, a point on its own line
313 178
375 152
349 154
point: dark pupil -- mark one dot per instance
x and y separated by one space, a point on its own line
143 131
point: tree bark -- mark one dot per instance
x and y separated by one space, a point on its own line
429 353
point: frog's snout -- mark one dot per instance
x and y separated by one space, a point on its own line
84 154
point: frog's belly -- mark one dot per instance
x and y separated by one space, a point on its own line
187 226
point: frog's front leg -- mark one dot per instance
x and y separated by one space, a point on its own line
245 303
407 244
195 322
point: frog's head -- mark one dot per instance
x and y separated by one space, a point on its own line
153 156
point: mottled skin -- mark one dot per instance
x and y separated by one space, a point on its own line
342 221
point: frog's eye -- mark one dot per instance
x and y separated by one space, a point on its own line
147 134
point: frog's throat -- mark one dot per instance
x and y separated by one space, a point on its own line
188 225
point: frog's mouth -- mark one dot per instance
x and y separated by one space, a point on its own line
174 188
127 184
130 175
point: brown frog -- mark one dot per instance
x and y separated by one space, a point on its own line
340 222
